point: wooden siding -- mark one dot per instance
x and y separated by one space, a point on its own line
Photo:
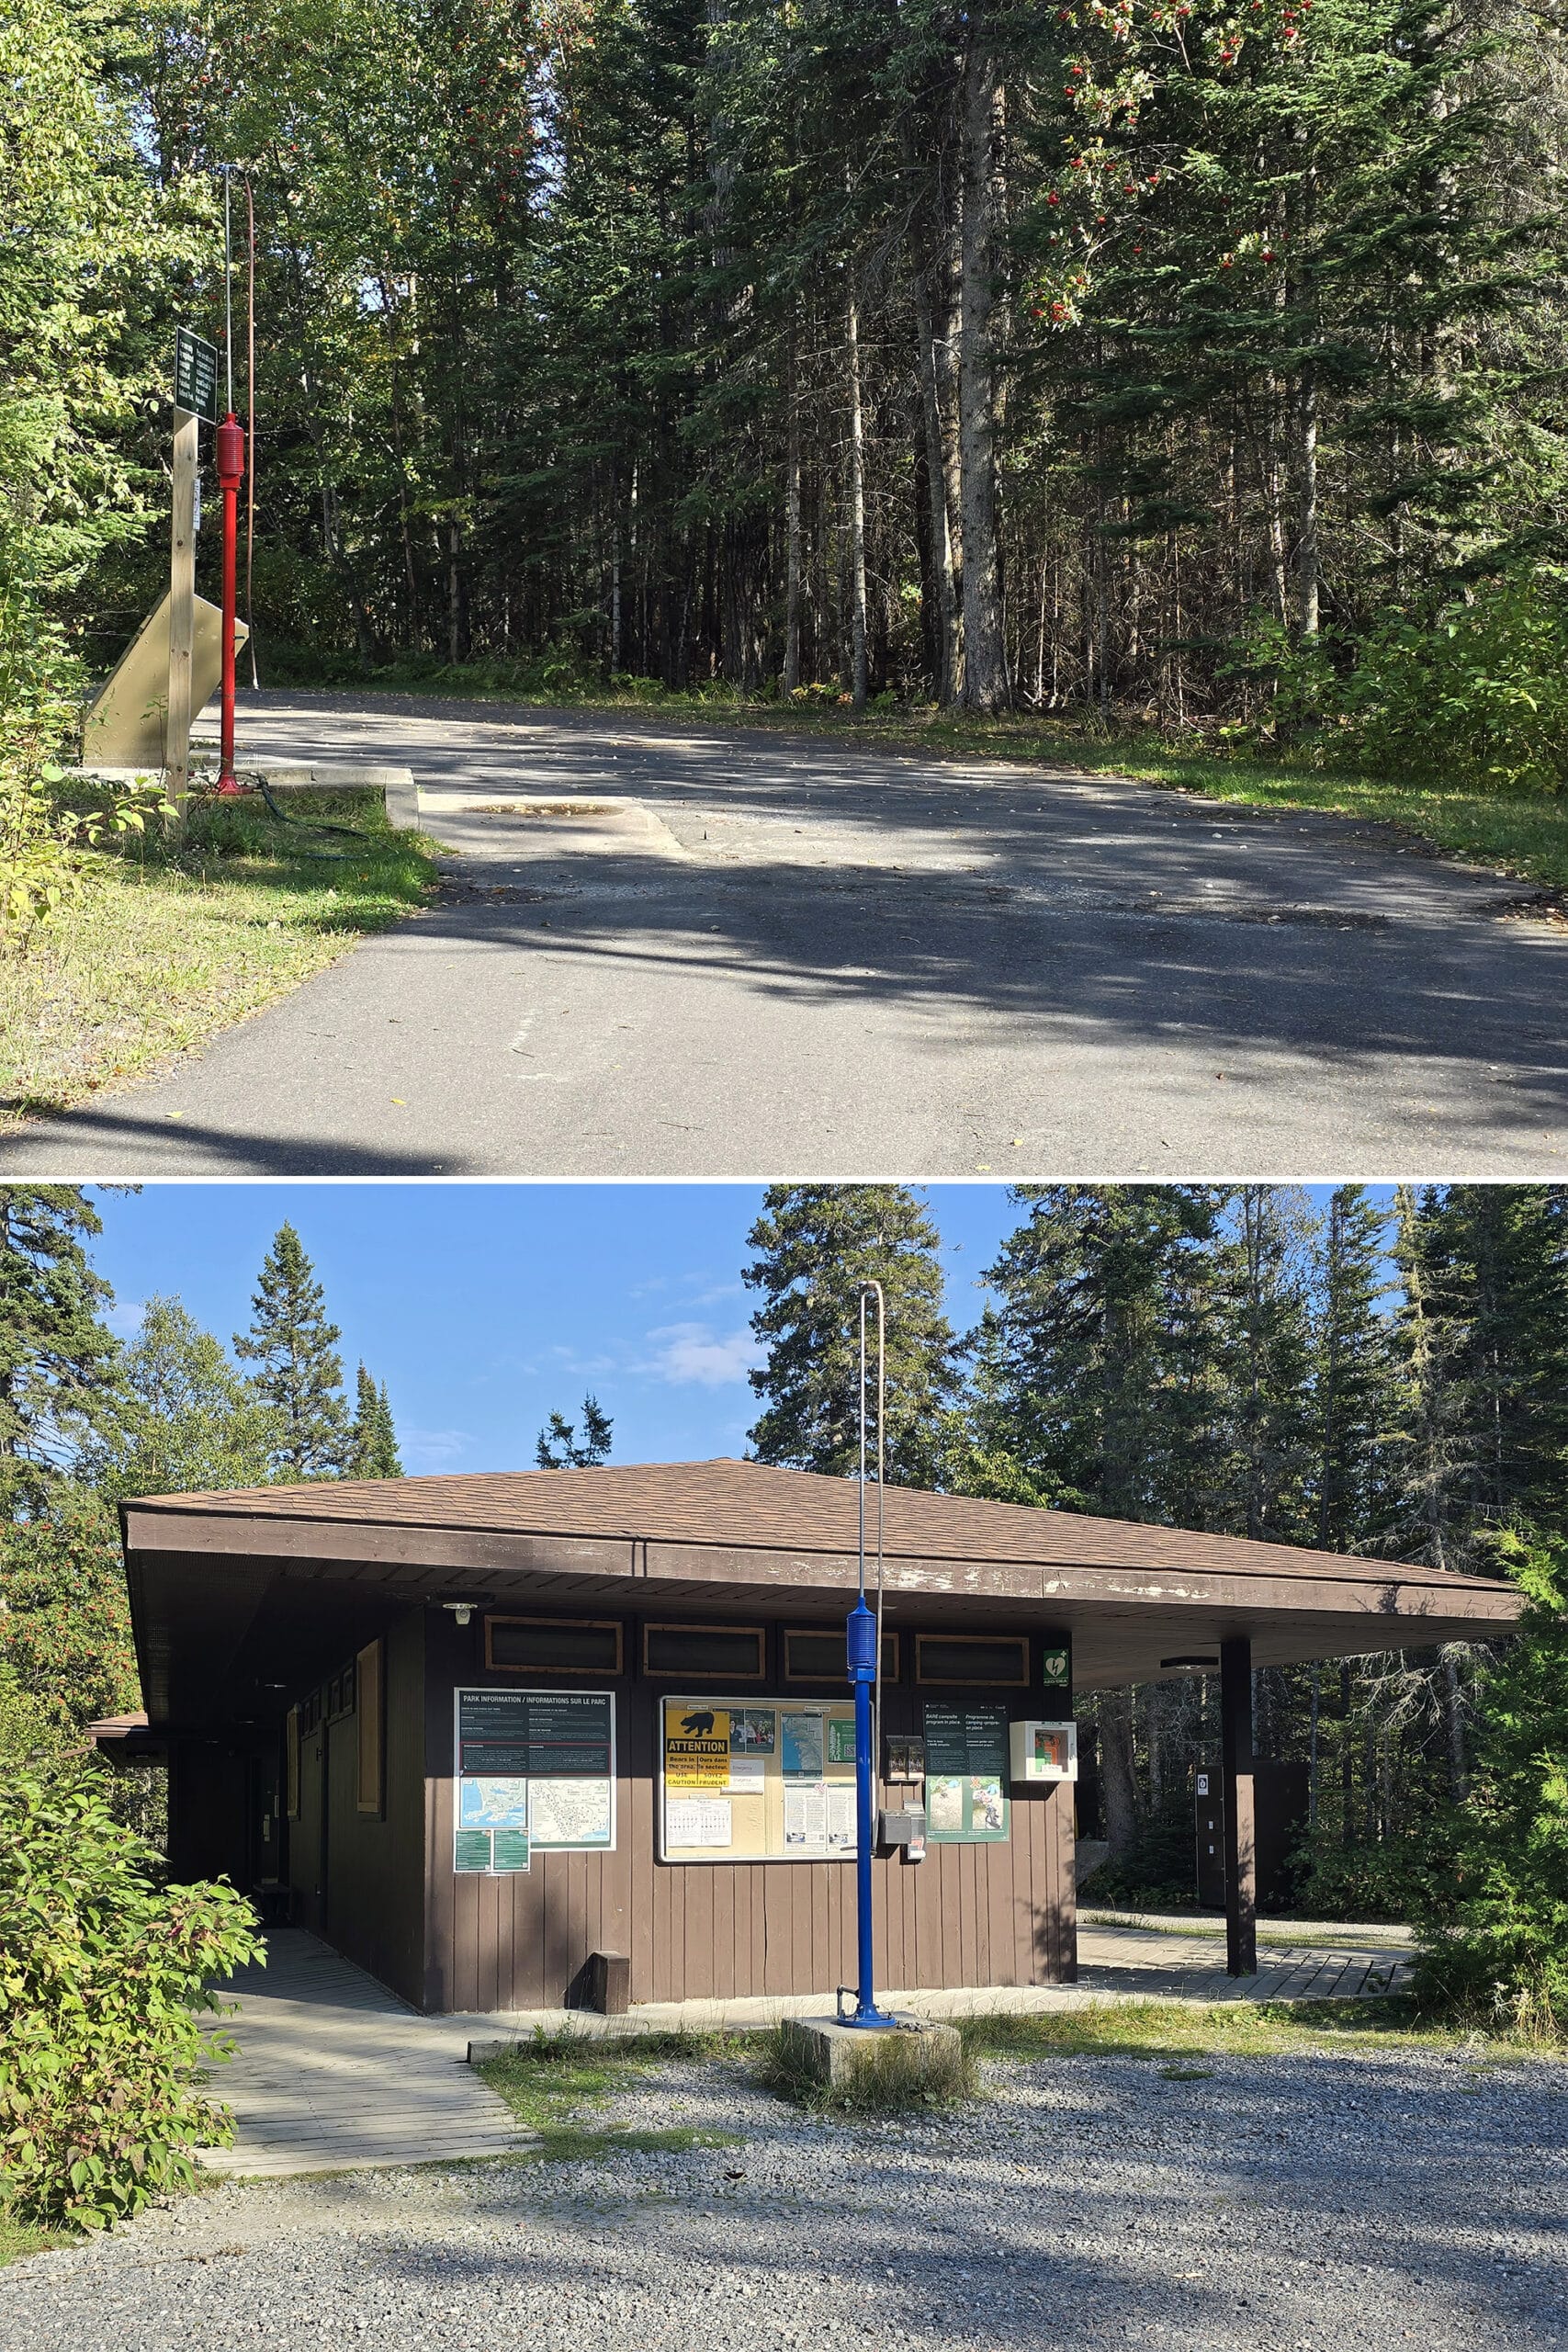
980 1915
373 1911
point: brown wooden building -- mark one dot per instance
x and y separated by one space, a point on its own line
474 1730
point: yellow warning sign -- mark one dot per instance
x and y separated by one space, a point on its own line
696 1746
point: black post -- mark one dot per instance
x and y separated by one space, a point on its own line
1241 1843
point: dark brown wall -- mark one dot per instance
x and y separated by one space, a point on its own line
375 1879
979 1914
209 1823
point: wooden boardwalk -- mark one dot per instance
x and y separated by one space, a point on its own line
333 2071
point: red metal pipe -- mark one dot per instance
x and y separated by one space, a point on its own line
229 451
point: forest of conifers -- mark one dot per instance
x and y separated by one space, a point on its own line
1378 1373
1154 357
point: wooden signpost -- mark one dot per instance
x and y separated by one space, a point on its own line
196 397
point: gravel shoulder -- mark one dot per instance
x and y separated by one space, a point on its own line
1233 2201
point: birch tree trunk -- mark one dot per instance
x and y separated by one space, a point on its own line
985 663
792 530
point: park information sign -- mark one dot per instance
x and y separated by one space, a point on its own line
196 375
536 1774
966 1772
757 1780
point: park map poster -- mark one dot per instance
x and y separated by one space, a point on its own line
536 1773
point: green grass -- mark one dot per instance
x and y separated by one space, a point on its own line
172 940
19 2238
1180 2029
1521 834
547 2083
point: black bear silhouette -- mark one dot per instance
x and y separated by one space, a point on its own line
698 1726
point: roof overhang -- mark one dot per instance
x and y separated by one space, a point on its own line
238 1611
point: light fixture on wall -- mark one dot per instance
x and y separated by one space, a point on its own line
1187 1664
463 1610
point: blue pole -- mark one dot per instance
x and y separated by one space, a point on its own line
861 1632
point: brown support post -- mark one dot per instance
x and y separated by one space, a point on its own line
1241 1844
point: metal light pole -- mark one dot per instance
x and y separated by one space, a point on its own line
864 1632
230 452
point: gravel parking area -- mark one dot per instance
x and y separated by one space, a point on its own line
1299 2202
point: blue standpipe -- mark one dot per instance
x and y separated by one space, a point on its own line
861 1629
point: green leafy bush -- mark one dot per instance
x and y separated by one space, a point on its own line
1478 696
104 1975
1496 1921
1376 1880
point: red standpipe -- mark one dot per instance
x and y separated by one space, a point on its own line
229 451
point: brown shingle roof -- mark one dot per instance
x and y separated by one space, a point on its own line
754 1504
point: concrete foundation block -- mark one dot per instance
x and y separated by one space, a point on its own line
831 2053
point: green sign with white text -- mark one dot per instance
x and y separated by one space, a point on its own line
196 375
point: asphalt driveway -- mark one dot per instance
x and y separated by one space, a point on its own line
670 952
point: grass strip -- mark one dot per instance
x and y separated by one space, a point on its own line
173 939
1241 2028
549 2080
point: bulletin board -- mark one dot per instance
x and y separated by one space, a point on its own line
536 1773
757 1780
967 1773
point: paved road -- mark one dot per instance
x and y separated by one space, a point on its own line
753 954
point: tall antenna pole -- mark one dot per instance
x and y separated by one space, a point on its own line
864 1644
228 296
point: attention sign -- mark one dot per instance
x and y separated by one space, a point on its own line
196 375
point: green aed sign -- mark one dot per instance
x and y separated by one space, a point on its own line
196 375
1056 1669
966 1772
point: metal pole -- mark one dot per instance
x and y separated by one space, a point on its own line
229 451
864 1634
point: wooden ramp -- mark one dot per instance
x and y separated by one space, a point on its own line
332 2071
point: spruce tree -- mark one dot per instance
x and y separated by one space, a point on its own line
56 1358
300 1371
560 1447
1354 1398
372 1453
1093 1365
816 1244
1266 1363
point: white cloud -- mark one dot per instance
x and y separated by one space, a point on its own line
695 1352
433 1450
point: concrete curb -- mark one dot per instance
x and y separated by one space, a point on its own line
398 792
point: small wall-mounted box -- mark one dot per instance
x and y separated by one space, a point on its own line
1044 1751
904 1826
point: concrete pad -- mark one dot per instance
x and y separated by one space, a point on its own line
836 2054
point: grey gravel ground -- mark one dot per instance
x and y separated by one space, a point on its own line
1280 2203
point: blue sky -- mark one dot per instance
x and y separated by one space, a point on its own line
486 1306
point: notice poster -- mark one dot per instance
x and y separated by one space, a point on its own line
570 1813
840 1739
696 1746
806 1814
966 1772
841 1831
801 1737
533 1767
490 1853
697 1821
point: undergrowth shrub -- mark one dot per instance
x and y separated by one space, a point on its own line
1496 1921
1477 696
104 1977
